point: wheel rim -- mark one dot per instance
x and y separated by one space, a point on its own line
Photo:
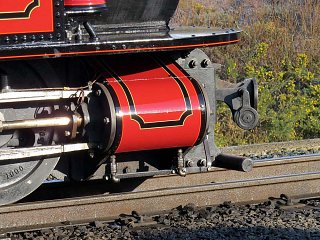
19 179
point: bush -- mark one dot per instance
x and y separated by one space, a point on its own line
280 49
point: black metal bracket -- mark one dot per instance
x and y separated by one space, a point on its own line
242 100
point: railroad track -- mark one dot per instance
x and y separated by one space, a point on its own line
276 147
293 176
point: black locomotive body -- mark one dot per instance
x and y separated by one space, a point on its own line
94 89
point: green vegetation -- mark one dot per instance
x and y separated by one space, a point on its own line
280 48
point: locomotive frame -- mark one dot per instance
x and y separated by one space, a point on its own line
111 92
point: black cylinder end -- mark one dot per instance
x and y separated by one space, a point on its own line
231 162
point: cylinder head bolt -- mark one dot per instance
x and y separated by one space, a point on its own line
193 63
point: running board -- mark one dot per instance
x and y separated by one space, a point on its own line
175 39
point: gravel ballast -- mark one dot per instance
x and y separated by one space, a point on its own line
270 220
274 219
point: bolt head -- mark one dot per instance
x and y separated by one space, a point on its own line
205 63
91 154
98 92
190 163
202 163
100 146
193 63
106 120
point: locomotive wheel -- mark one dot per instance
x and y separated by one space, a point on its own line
18 179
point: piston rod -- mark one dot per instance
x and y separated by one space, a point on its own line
37 123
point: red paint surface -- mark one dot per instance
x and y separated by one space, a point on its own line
39 20
74 3
157 98
14 6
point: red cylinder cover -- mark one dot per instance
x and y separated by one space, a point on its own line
83 3
159 106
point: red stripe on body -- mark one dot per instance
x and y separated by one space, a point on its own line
74 3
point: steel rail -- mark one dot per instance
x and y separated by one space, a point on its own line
265 148
294 176
263 168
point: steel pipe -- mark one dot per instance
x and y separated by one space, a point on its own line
35 123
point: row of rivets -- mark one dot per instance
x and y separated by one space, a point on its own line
33 38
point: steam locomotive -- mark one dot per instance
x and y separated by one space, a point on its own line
104 89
